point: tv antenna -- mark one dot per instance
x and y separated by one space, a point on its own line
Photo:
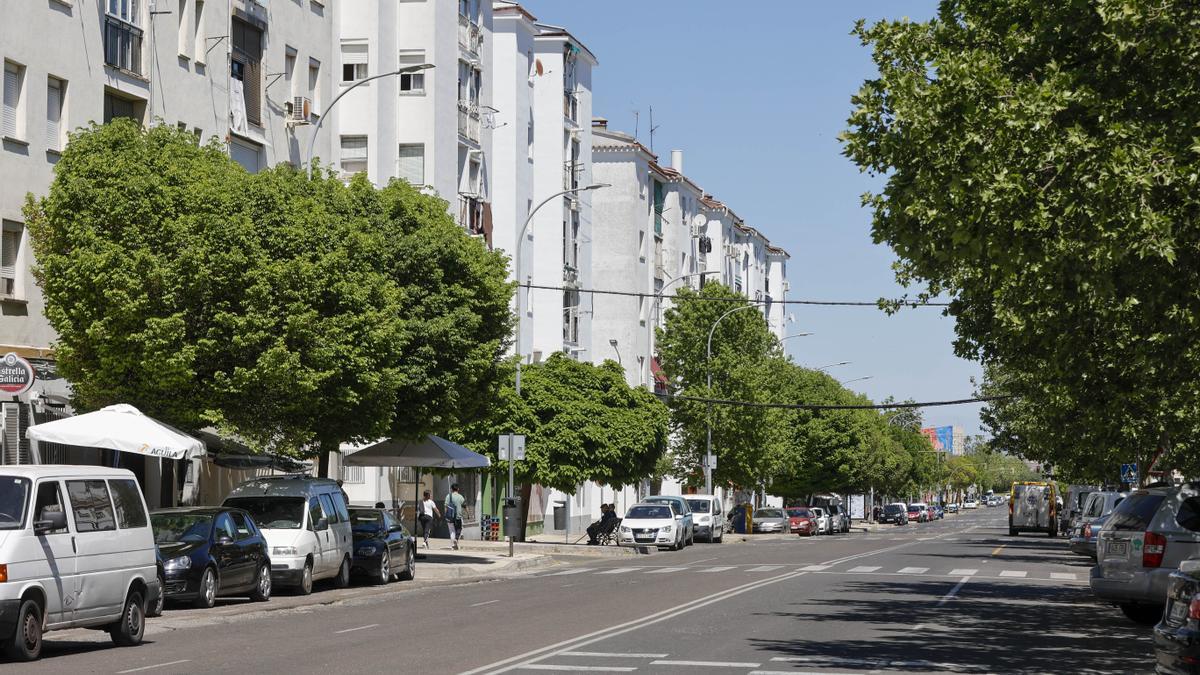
653 128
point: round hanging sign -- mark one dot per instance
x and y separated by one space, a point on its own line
16 374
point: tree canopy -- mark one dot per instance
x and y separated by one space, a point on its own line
1040 165
292 312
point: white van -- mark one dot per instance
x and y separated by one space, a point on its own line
77 552
708 517
307 525
1033 508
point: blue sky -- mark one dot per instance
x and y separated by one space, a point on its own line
755 94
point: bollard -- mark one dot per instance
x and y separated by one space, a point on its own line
510 546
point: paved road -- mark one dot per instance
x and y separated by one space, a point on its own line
953 596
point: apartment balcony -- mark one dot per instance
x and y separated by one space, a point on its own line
571 106
470 214
470 36
571 173
570 275
468 121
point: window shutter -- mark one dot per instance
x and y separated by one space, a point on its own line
412 164
354 53
54 100
8 126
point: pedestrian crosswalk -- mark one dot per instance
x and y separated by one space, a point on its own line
756 569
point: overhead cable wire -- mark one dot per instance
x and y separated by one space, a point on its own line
823 303
822 406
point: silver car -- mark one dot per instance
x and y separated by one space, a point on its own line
1096 508
771 520
1141 544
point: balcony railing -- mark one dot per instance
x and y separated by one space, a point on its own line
470 36
571 171
122 45
468 121
571 106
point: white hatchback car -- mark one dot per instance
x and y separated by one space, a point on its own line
651 525
78 552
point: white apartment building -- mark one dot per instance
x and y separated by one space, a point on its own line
432 128
746 261
243 71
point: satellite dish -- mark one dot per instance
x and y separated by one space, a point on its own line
537 67
699 221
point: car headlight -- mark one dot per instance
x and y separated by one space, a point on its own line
366 550
626 530
175 564
668 528
284 550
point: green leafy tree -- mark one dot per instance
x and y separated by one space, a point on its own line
1040 164
295 313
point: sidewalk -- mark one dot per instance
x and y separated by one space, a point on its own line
534 547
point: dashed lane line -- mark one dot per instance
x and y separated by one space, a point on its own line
913 570
620 570
1014 574
615 655
719 568
1065 576
863 569
964 572
157 665
577 669
815 568
953 591
765 568
705 664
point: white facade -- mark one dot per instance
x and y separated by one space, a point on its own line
432 128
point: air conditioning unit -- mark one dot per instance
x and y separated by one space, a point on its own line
698 230
786 287
299 110
730 251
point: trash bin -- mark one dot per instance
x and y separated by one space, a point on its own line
512 519
560 515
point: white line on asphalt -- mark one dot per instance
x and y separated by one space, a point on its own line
706 664
913 570
621 570
963 572
157 665
719 568
815 568
351 630
564 573
615 655
590 669
863 569
793 672
1015 575
522 660
953 591
667 570
1063 575
485 602
697 562
764 568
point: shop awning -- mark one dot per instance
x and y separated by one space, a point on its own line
430 451
119 427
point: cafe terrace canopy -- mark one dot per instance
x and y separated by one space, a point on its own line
119 427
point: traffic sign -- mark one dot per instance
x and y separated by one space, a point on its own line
1129 473
518 446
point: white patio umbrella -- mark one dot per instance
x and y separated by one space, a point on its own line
119 427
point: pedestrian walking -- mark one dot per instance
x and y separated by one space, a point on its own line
453 508
429 511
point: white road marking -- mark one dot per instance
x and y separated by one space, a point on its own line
615 655
1070 576
667 570
764 568
964 572
589 669
913 570
706 664
815 568
485 602
563 573
351 630
157 665
953 591
621 570
862 569
1014 575
719 568
793 672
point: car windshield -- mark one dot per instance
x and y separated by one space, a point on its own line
366 519
1136 512
768 513
14 497
914 508
799 513
171 528
649 512
698 505
893 508
272 513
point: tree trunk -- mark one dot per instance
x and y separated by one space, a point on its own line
323 460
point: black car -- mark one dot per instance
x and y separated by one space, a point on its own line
383 548
895 513
1177 635
209 552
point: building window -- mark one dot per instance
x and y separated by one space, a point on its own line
353 474
122 35
659 199
411 165
571 240
13 121
314 85
56 96
354 154
184 28
248 155
201 36
246 67
289 70
10 252
571 317
412 83
354 61
115 106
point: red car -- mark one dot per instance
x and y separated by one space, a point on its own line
804 523
916 514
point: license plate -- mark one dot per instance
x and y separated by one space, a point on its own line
1177 612
1116 548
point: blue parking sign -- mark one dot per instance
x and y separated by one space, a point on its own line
1129 473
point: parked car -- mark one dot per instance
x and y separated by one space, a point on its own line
307 525
1084 541
209 552
970 504
69 527
1145 539
937 511
1177 634
1096 509
1033 509
951 508
383 548
771 520
802 521
839 518
708 514
1074 503
822 519
651 524
895 513
919 512
682 511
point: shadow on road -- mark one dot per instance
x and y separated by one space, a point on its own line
991 627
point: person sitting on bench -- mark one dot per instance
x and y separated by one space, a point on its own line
607 513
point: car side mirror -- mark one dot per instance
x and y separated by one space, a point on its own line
49 521
1189 514
679 517
224 540
321 524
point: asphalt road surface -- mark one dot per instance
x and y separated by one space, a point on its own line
954 596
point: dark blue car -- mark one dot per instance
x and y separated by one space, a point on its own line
383 548
208 552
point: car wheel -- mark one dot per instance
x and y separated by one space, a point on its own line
306 580
262 585
26 643
129 630
206 595
342 579
1146 615
410 566
721 537
157 609
384 574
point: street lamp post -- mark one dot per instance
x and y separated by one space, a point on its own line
708 418
832 365
613 342
859 379
312 141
